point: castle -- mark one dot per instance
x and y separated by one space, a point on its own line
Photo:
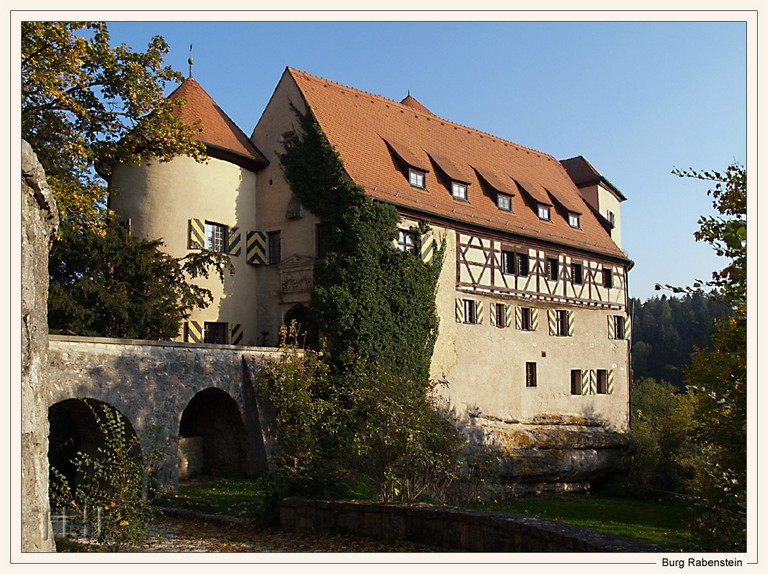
532 299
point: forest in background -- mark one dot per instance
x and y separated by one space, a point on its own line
665 331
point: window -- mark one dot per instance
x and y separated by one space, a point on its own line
526 319
576 274
611 217
416 178
602 382
215 237
575 382
607 278
561 323
501 315
273 245
215 333
618 327
470 311
573 220
543 211
530 374
504 202
552 269
407 241
514 263
459 191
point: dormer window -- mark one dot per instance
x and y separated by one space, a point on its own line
416 177
459 191
543 211
611 217
504 202
573 220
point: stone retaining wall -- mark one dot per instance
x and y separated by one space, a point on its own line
451 528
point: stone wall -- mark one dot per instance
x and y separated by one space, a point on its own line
39 221
152 382
454 529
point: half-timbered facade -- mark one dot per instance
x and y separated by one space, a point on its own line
532 297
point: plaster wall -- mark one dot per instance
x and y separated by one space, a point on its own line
161 198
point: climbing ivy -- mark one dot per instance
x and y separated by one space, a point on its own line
375 308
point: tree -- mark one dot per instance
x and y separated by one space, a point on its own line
717 378
87 106
111 284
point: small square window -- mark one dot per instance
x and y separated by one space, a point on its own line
416 178
543 211
575 382
459 191
407 241
526 319
273 245
215 237
573 220
504 202
530 374
607 278
602 382
470 311
552 269
514 263
215 333
577 276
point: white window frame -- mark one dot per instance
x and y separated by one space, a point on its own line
574 220
407 241
504 202
459 191
417 178
216 237
544 212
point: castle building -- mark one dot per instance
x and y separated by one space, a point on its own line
532 298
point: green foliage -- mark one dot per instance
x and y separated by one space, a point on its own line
717 378
666 330
112 284
115 486
660 455
367 418
88 105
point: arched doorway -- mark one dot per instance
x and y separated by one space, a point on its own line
211 436
74 428
306 333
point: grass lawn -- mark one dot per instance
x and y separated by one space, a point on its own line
655 522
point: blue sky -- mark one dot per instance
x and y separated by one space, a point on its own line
637 99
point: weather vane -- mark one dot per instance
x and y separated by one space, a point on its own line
191 61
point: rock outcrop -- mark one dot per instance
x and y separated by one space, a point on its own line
39 221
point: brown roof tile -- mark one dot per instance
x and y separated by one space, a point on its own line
218 129
358 124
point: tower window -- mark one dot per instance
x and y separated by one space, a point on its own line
273 239
215 237
215 333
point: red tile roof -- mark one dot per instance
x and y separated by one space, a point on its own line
218 129
360 126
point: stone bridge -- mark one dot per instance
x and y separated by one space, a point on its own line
203 394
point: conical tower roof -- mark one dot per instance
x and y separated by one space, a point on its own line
412 102
219 132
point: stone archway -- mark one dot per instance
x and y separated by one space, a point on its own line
73 429
211 436
306 335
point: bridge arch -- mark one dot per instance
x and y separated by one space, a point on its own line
212 436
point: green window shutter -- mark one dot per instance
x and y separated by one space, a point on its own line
427 247
569 316
534 319
585 382
552 320
193 332
592 382
493 315
507 315
196 235
234 241
518 318
609 390
236 334
611 327
479 308
459 311
256 247
628 328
